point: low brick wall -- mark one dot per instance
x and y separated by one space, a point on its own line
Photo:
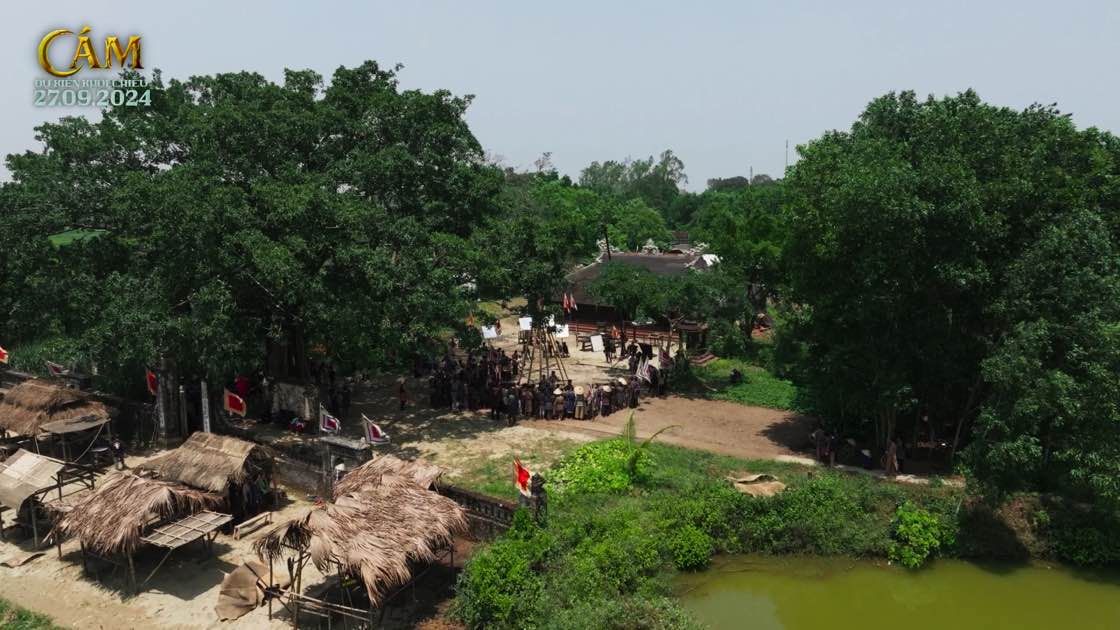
489 516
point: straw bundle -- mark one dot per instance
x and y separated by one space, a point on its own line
209 461
376 534
112 517
423 474
33 403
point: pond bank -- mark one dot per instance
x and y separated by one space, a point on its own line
808 592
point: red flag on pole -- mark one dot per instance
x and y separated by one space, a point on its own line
327 422
374 434
521 477
3 356
572 301
153 384
567 305
233 403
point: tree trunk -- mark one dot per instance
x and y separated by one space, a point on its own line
968 408
298 350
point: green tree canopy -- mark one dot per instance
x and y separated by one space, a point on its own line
236 213
917 263
656 182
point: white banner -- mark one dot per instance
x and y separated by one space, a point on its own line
597 343
489 332
562 332
526 323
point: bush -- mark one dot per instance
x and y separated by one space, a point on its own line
1084 537
918 534
692 548
500 584
598 467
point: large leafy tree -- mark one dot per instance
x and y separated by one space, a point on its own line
656 182
912 244
545 225
236 214
747 228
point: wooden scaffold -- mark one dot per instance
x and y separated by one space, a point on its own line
540 354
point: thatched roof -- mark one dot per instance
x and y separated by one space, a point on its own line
376 534
113 516
36 402
25 473
209 461
423 474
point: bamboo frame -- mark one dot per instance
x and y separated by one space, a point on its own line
297 602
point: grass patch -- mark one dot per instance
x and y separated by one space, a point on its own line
70 236
13 617
606 553
759 387
485 473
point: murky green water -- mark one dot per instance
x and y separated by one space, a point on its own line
807 593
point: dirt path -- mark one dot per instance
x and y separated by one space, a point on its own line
713 425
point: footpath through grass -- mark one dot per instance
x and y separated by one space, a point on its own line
13 617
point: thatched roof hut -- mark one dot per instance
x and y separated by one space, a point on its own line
376 534
210 461
112 517
35 402
423 474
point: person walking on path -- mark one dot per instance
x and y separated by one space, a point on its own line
402 393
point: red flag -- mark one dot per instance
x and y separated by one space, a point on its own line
521 477
234 403
3 356
572 301
153 384
55 369
327 422
374 434
567 306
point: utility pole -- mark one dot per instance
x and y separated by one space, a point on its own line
161 405
205 406
787 157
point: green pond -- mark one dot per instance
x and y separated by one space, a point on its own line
806 593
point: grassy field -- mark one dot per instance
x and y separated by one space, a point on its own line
14 618
481 472
759 387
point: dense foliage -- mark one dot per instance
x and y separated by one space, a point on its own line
236 213
957 261
918 534
609 548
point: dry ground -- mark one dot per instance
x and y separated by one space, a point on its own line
475 451
183 593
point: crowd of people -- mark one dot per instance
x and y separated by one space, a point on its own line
492 380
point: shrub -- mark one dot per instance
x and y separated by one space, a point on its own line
597 467
691 548
500 584
1084 537
918 534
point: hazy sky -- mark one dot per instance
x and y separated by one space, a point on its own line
723 84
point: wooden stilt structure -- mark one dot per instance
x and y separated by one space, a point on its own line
540 355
